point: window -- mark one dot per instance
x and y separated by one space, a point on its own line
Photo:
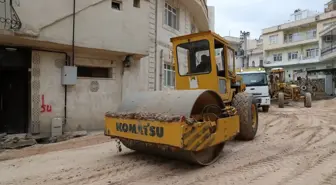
293 55
171 16
169 75
136 3
314 33
288 38
93 72
231 60
193 57
277 57
311 53
297 37
116 5
273 39
311 34
328 38
254 79
298 16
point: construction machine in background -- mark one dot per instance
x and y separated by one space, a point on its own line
255 79
192 123
285 92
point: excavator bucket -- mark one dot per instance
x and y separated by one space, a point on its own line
179 124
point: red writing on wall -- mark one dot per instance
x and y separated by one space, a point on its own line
44 107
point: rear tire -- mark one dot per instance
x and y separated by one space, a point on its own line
308 100
265 108
281 99
248 126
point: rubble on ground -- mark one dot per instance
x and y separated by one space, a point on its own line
15 141
79 133
68 136
150 117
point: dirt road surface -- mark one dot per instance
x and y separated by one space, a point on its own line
294 146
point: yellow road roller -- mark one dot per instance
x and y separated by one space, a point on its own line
192 123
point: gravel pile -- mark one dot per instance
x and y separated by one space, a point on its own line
150 117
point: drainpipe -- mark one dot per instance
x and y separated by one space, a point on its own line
156 36
73 32
161 64
72 63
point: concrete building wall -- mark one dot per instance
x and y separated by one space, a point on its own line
87 101
98 25
256 59
211 14
278 43
186 26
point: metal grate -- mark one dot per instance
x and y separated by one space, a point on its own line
9 19
35 126
94 86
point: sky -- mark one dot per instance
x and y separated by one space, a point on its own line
232 16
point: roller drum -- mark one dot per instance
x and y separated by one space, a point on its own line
204 157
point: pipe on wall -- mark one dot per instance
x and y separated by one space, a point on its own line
161 69
156 36
72 63
73 32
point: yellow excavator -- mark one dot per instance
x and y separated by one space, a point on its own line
192 123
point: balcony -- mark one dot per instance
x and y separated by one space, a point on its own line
9 20
328 41
300 37
199 9
288 43
328 53
301 60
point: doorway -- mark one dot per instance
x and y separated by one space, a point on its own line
14 90
329 85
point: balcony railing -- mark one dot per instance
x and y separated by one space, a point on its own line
300 36
9 19
329 49
300 60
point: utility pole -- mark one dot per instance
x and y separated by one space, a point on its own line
243 40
